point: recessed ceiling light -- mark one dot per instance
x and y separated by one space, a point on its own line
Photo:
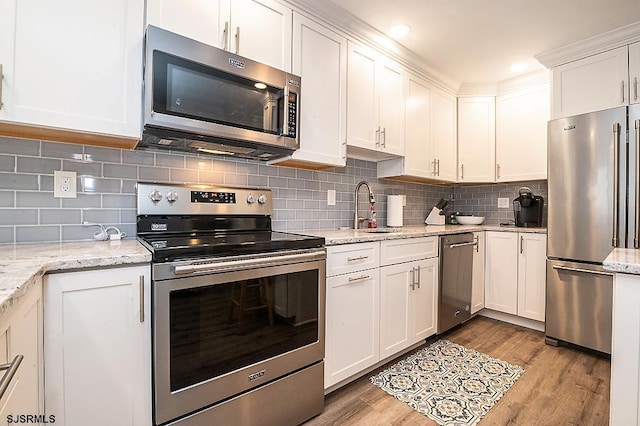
520 66
399 31
260 86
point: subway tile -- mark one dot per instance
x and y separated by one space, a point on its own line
103 155
77 232
226 166
18 216
248 168
100 216
170 161
129 186
99 185
6 233
19 146
7 198
235 180
210 177
286 172
60 216
18 181
295 204
32 234
7 163
278 182
36 199
118 201
311 184
304 194
261 181
82 201
128 216
153 174
37 165
61 150
83 169
46 183
141 158
266 170
198 163
120 171
295 183
183 176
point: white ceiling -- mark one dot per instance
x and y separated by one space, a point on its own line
477 41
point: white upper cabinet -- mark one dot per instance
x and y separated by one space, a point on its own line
256 29
73 65
634 73
418 156
375 104
594 83
521 134
476 139
444 136
320 58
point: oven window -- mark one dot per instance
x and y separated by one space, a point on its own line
187 89
220 328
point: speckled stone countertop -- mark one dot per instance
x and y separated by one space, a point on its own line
349 236
22 264
626 261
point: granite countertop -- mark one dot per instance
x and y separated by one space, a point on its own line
22 264
626 261
349 236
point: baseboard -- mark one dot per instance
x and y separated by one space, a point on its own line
512 319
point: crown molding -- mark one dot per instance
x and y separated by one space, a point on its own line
355 29
526 81
593 45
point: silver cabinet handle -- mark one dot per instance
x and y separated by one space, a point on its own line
433 172
384 137
1 78
635 88
616 138
11 368
141 284
438 163
636 239
497 171
413 279
417 276
225 35
353 259
378 136
584 271
360 278
476 240
622 91
521 244
237 40
461 171
470 243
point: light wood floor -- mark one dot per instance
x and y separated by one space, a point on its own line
560 386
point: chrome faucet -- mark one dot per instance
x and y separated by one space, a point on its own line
358 220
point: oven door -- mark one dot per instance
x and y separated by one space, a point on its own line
222 328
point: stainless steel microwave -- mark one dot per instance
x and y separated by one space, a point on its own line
202 99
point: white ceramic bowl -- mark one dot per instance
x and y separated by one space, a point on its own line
470 220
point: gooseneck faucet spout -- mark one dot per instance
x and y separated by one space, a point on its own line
358 220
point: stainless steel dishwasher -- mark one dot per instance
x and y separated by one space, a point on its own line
456 267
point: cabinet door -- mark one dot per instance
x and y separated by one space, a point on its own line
532 276
353 324
261 30
396 283
362 99
521 134
418 152
98 346
477 286
476 139
320 58
424 296
634 73
80 71
444 140
391 103
196 19
590 84
501 273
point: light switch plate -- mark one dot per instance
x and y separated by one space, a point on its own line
503 203
331 197
64 184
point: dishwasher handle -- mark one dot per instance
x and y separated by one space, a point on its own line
470 243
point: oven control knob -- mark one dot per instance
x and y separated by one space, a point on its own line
262 199
172 196
251 199
155 195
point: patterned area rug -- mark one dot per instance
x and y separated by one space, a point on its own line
449 383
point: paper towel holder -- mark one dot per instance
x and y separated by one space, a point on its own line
395 210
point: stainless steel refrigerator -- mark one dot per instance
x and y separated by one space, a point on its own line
592 206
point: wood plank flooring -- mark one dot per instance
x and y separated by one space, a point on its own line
560 386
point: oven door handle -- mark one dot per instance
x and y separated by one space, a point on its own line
219 266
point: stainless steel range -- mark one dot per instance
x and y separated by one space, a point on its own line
238 309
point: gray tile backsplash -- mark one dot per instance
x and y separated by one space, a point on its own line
107 177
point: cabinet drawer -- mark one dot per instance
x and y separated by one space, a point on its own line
352 257
406 250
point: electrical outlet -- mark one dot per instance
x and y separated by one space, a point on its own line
331 197
64 184
503 203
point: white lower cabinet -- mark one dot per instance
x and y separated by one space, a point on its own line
98 346
515 273
477 286
21 334
381 299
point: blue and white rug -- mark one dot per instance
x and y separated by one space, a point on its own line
449 383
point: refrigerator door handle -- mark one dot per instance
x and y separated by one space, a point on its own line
636 233
616 141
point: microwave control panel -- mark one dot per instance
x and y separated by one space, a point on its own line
292 117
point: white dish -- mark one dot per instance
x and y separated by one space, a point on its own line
470 220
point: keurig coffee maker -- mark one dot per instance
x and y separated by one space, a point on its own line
527 208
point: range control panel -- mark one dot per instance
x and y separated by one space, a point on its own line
154 199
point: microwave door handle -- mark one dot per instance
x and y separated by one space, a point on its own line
225 35
237 40
285 121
